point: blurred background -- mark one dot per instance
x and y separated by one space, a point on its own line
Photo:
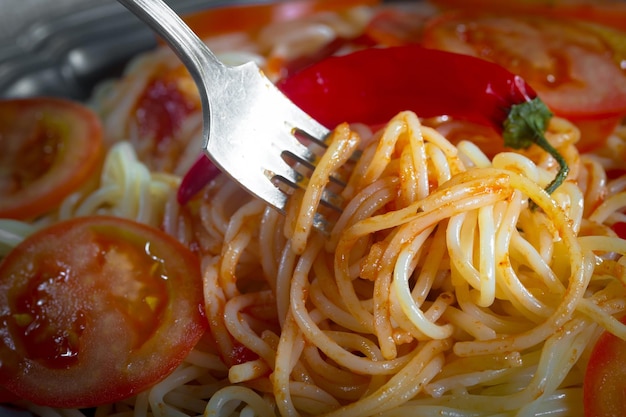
63 47
18 14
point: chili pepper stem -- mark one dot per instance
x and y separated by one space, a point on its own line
543 143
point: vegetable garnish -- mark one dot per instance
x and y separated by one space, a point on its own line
49 148
96 309
372 85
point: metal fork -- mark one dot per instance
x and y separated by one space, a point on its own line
250 127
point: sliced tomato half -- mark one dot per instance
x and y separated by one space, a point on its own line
94 310
571 65
604 390
49 147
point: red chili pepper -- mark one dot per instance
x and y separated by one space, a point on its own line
200 174
373 85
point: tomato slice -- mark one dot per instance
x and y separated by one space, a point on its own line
96 309
250 18
607 12
571 65
48 149
604 391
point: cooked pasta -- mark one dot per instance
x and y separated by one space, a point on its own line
440 289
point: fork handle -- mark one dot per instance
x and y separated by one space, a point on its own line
202 64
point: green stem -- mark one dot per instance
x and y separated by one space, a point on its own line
543 143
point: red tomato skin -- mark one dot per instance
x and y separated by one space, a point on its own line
72 130
100 304
604 388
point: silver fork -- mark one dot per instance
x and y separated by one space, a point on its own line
250 127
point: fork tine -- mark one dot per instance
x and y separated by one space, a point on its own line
328 198
297 121
271 193
261 186
311 162
298 151
295 179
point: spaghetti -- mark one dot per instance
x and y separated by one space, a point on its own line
439 290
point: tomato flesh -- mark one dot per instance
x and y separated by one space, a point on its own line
49 148
94 310
604 391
